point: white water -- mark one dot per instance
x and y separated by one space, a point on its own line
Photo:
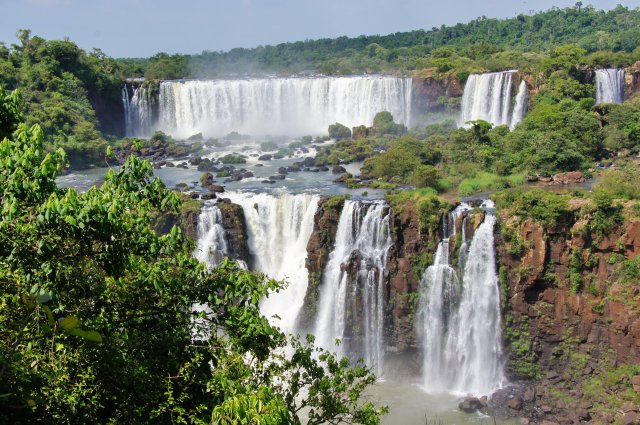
279 228
609 85
137 111
212 242
363 235
489 97
459 319
283 106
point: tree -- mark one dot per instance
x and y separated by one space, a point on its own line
96 317
339 131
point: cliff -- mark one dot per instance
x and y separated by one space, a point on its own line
572 310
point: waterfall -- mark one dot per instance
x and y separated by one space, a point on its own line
351 306
279 227
522 102
489 97
459 319
609 85
290 106
138 114
212 246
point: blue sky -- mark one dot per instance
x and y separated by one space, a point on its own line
136 28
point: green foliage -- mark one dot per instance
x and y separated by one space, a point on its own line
96 317
621 183
429 206
383 124
523 358
547 208
233 159
338 131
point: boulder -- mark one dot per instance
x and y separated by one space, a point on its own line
265 157
277 177
182 187
630 418
283 170
470 405
215 188
515 403
338 169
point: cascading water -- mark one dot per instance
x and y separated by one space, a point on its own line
291 106
459 319
212 242
489 97
138 115
279 227
609 85
362 244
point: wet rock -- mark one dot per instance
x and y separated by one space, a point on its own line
470 405
207 196
309 162
529 395
215 188
170 164
268 181
259 165
182 187
195 160
323 168
338 169
265 157
571 177
344 177
277 177
283 170
194 195
515 403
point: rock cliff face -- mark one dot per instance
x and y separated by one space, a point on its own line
234 224
427 90
568 293
319 247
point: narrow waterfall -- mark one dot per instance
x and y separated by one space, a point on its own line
138 113
609 85
212 246
289 106
489 97
522 103
279 228
352 291
459 318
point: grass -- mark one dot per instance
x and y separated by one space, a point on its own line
488 181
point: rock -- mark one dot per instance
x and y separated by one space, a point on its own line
628 407
170 164
268 181
277 177
194 195
549 423
524 421
323 168
309 162
215 188
259 165
484 400
515 403
630 418
343 178
470 405
265 157
571 177
195 160
582 414
635 381
182 187
283 170
529 395
207 196
338 169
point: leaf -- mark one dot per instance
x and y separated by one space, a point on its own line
88 335
44 297
69 323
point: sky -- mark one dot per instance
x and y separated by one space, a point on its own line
141 28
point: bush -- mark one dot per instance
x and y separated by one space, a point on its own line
338 131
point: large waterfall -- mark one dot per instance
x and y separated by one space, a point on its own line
352 294
609 85
288 106
279 227
490 97
459 318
